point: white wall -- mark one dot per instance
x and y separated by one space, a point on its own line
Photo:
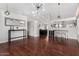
4 29
78 29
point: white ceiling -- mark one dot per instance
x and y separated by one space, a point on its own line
66 9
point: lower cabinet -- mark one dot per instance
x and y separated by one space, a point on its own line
43 32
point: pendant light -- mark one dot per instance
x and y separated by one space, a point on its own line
7 11
38 8
58 11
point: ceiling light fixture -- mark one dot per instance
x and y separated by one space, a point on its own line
7 11
58 11
38 7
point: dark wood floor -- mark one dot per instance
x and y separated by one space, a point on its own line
42 46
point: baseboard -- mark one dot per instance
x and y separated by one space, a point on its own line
67 38
32 36
11 40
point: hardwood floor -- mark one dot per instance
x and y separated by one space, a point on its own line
42 46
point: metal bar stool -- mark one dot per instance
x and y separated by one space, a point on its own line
63 34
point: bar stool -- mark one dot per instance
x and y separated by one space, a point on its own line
56 33
63 34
